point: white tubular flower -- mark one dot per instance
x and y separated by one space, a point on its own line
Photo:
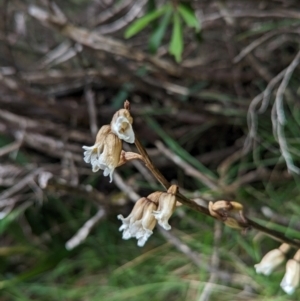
91 153
291 278
166 207
121 125
142 229
140 222
105 153
135 215
272 260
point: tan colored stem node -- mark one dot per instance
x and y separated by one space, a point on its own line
284 248
297 256
128 156
127 105
173 189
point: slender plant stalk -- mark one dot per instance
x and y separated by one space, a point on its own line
247 223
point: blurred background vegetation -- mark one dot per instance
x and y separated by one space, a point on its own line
207 82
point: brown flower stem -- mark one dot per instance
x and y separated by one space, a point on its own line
273 233
158 175
246 223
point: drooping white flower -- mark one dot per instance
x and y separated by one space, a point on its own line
142 229
140 223
105 153
272 260
291 279
135 215
166 207
121 125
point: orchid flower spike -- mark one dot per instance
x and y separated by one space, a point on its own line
105 153
121 125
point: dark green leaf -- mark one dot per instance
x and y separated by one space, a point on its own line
141 23
176 44
160 31
12 216
189 17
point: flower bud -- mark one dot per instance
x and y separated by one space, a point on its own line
272 260
121 125
222 210
291 278
227 206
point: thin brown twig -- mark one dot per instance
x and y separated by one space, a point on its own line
85 230
110 12
125 20
215 261
100 42
278 116
125 188
20 185
10 147
158 175
183 248
253 45
92 110
189 170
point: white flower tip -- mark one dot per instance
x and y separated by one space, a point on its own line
162 221
123 129
262 270
111 176
165 225
88 154
141 242
70 245
108 171
287 288
126 235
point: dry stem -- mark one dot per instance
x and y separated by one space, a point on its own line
246 224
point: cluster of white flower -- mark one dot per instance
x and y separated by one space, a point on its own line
155 208
276 257
105 153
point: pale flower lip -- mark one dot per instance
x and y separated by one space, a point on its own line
269 262
121 125
142 229
291 278
105 153
135 215
166 207
140 222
